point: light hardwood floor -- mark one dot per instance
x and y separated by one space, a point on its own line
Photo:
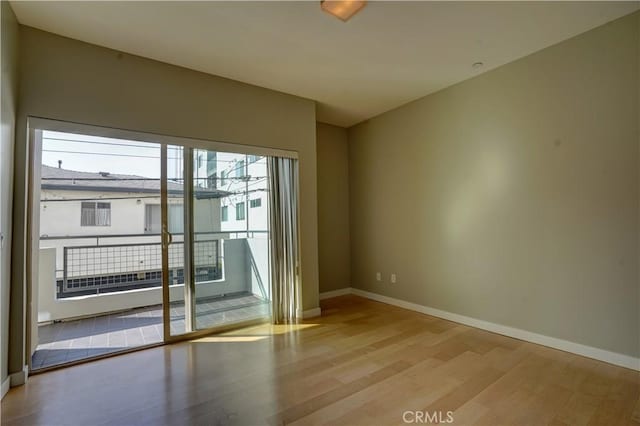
362 363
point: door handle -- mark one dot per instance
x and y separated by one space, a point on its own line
167 238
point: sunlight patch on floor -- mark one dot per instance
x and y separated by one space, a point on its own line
229 339
271 329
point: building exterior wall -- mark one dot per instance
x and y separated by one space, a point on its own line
246 179
60 214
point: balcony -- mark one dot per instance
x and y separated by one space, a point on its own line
68 341
99 269
102 294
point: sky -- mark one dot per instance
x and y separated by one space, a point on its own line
97 154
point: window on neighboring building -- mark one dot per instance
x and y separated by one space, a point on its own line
254 159
255 203
153 223
225 213
211 181
95 214
223 176
240 211
152 219
211 162
175 218
240 168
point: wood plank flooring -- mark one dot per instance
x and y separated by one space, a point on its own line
361 363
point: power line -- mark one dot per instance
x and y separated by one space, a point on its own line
146 179
248 163
101 153
101 179
125 145
179 196
133 156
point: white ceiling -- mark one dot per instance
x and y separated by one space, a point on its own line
388 54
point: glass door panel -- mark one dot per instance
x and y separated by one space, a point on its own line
216 229
231 245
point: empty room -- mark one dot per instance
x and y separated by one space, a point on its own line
320 212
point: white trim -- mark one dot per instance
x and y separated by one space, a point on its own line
4 388
540 339
20 377
110 132
309 313
335 293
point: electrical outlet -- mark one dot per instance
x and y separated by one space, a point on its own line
393 278
378 276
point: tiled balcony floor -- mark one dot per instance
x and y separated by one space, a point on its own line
73 340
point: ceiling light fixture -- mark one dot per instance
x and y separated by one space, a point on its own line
343 9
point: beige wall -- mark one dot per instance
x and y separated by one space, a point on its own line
512 197
69 80
333 207
9 100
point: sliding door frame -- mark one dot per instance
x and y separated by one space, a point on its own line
34 151
165 238
151 137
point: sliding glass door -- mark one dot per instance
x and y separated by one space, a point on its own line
215 239
140 239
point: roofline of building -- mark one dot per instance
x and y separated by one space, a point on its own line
209 193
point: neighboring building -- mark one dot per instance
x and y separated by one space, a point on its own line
106 229
244 178
81 203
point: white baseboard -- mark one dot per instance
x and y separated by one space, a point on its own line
335 293
4 388
540 339
309 313
20 377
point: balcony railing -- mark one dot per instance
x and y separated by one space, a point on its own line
129 262
99 269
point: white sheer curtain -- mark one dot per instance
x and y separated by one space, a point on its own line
283 217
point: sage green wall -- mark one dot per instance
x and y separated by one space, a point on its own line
65 79
333 207
512 197
7 118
